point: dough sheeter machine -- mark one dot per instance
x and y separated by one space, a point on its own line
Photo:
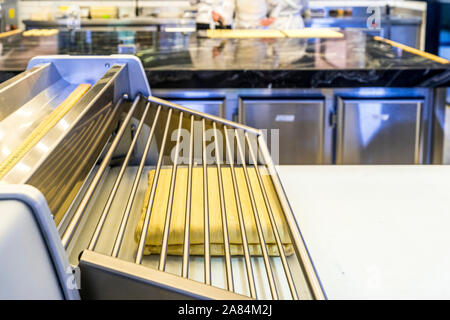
78 137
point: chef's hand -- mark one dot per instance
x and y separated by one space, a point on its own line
217 17
267 21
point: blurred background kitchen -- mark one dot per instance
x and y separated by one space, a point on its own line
374 96
404 21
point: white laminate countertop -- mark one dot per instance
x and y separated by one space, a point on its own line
375 232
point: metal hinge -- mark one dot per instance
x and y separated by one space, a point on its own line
333 119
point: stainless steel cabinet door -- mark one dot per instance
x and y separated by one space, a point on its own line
214 107
300 124
371 131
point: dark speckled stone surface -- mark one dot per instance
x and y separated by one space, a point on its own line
176 60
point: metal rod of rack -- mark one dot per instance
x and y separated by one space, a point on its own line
262 241
207 247
69 232
296 237
140 251
187 224
207 116
73 171
60 162
63 165
273 224
62 223
109 202
248 262
132 196
165 239
98 129
226 240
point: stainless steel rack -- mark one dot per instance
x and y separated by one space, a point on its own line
251 152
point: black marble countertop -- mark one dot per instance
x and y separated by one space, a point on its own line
178 60
352 22
123 22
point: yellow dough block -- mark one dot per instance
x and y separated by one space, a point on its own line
242 34
313 33
268 33
177 224
10 33
41 130
413 50
40 32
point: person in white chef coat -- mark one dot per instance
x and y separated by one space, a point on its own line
257 14
207 17
248 14
289 15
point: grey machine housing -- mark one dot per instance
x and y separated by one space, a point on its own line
34 262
